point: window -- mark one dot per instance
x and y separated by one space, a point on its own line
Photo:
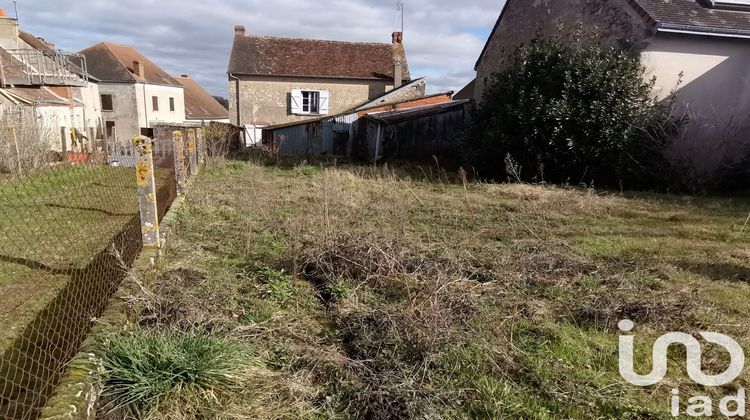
171 104
309 102
107 104
155 103
111 129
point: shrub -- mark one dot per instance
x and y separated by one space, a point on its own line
152 374
27 143
571 113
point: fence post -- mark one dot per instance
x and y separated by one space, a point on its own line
192 153
179 160
17 151
201 139
144 172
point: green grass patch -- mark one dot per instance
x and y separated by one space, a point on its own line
155 374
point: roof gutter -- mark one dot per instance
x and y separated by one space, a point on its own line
237 97
702 30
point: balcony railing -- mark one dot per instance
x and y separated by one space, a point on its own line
35 67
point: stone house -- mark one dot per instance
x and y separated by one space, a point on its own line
200 107
135 93
344 134
698 48
45 93
276 81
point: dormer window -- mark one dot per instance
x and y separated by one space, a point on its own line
743 5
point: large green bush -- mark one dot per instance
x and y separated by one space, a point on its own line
567 112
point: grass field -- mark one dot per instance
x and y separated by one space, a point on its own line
366 293
51 224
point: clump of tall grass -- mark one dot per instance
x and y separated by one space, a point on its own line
170 374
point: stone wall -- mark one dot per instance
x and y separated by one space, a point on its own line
607 21
265 100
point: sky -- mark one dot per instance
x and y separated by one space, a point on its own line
443 38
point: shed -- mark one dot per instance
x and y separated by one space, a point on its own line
416 133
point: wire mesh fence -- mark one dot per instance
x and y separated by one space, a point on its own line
69 231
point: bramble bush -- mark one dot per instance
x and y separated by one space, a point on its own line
572 113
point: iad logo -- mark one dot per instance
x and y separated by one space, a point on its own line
698 406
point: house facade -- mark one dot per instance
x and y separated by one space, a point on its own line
46 95
702 43
276 81
696 48
135 94
345 134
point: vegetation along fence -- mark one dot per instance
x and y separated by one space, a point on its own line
69 231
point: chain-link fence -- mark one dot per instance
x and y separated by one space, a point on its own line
70 228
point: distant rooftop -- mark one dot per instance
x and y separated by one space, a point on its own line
199 104
110 62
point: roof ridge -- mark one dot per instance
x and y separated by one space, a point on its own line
315 40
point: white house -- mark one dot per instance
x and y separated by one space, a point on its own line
135 93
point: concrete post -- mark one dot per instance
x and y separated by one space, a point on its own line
192 153
17 151
201 140
64 143
144 172
180 168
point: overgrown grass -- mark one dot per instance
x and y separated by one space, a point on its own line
157 375
53 222
369 293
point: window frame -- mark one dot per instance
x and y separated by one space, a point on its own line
155 103
311 101
111 102
110 129
172 105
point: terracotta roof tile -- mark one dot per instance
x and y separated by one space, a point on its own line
260 55
42 96
199 104
114 63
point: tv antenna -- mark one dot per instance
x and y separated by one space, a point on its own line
400 15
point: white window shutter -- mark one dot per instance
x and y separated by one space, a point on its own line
324 99
296 101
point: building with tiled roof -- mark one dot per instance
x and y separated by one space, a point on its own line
200 106
283 80
135 93
699 49
46 91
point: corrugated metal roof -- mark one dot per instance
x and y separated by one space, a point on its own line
411 113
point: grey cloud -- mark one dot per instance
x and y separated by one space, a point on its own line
194 37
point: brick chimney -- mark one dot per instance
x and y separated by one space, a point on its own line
398 59
138 68
239 30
